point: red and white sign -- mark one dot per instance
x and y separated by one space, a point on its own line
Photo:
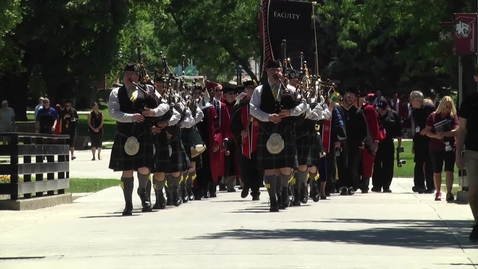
465 33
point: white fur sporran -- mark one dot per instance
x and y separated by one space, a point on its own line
275 144
131 147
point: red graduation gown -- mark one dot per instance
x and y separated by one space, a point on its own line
371 116
215 139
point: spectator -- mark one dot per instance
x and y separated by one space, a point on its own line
39 106
95 122
46 119
441 128
7 119
68 124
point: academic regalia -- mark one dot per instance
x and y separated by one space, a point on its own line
348 163
247 147
332 130
213 162
226 111
67 125
368 154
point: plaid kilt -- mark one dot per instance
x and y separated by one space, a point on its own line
316 147
161 158
288 156
303 143
179 161
119 160
185 138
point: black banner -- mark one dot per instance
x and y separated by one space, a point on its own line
292 21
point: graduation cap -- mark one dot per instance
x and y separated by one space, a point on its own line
228 90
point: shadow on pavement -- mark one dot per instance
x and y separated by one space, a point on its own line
405 233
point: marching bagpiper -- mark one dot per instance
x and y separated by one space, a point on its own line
273 105
133 143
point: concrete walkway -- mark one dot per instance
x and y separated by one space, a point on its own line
399 230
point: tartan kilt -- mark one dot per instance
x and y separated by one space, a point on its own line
161 158
119 160
286 158
303 144
316 147
179 161
187 147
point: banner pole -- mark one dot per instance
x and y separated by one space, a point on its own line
315 40
460 82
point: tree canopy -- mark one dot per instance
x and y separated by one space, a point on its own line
61 48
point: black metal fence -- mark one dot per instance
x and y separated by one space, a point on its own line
27 157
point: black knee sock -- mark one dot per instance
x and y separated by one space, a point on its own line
127 184
143 180
301 178
284 180
191 177
271 186
158 185
175 181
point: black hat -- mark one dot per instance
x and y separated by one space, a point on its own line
240 89
273 64
228 89
131 67
293 74
249 83
382 103
351 90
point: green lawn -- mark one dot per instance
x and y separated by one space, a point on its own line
407 169
78 185
109 125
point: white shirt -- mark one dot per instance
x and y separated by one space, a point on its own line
263 116
120 116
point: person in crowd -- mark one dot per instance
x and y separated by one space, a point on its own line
441 128
7 119
466 138
423 172
46 119
68 125
390 128
96 120
39 106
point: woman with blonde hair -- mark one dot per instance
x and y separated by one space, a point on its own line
441 128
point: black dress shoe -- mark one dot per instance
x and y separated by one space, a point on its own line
376 189
344 191
244 192
387 190
351 191
430 191
274 207
128 209
255 197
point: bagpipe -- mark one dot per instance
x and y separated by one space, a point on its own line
150 100
310 88
180 97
